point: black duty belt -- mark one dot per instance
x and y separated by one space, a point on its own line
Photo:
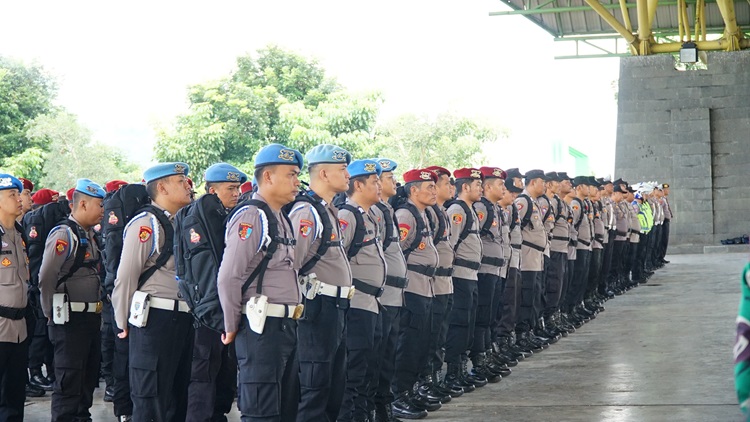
619 233
599 237
583 242
443 272
533 246
573 243
563 238
422 269
515 246
367 289
631 231
495 262
399 282
12 313
466 263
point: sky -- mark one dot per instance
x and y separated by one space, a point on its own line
124 68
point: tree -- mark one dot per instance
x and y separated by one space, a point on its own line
25 93
448 141
278 97
72 154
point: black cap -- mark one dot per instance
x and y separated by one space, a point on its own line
593 182
580 181
536 174
511 187
552 176
630 189
514 173
562 175
618 189
619 182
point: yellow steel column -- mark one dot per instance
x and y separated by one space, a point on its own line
626 15
644 29
731 31
616 25
652 4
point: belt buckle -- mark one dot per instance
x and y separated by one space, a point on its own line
352 289
298 310
99 307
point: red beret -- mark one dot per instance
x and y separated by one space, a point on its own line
439 170
26 183
113 185
246 187
493 173
190 182
69 193
420 175
44 196
468 173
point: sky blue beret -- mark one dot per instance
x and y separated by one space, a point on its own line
87 187
275 154
9 182
364 168
223 172
165 170
387 164
328 154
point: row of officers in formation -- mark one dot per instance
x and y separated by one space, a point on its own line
355 298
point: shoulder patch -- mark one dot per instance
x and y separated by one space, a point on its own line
195 237
245 229
60 246
575 207
519 205
144 234
343 223
32 233
305 227
480 214
403 231
112 218
457 218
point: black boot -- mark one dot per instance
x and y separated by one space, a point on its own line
32 391
454 379
479 368
404 408
474 378
437 381
38 380
423 402
426 389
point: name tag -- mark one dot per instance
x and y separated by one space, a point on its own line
6 252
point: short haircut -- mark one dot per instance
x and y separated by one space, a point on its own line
77 196
151 189
460 183
408 186
209 185
361 179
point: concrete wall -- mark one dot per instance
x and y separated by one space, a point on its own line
692 130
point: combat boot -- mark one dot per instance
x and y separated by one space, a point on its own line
422 402
439 384
472 377
501 355
404 408
37 379
426 389
480 369
454 379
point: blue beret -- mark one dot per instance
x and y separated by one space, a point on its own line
328 154
275 154
165 170
223 172
364 168
387 164
9 182
87 187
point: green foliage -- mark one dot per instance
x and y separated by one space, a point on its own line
449 141
73 155
278 97
28 164
25 93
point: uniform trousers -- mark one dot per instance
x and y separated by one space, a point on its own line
509 303
664 240
40 346
108 343
77 354
268 371
213 377
322 358
595 268
13 361
555 271
121 401
580 278
486 284
619 260
530 289
441 307
160 358
414 334
461 320
364 332
497 310
383 366
607 274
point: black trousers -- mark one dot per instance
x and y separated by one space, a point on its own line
527 318
77 354
497 310
619 260
441 307
40 346
361 347
160 358
579 278
608 275
121 401
595 268
509 304
413 336
635 266
108 343
268 371
664 240
322 358
384 365
461 320
555 270
213 377
13 361
486 284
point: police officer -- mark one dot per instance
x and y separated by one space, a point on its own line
597 248
324 269
665 226
567 194
69 284
559 235
622 225
266 336
583 227
26 202
160 341
422 261
468 248
360 236
14 275
381 370
633 266
44 196
213 378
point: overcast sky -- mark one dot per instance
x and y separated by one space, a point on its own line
123 67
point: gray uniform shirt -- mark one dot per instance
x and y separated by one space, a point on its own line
14 277
667 209
424 254
573 245
59 254
246 237
534 233
635 223
492 242
368 265
515 236
142 243
442 285
600 233
333 268
394 259
470 249
582 220
622 223
561 227
505 233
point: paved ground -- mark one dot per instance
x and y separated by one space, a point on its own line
661 352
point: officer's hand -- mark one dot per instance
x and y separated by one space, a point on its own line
123 334
227 338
